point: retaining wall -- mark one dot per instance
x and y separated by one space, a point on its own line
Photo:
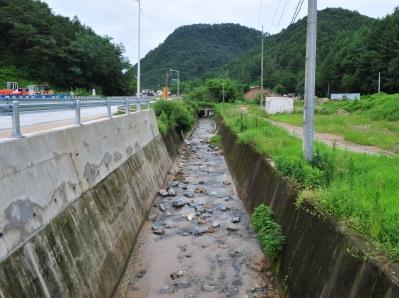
320 258
73 201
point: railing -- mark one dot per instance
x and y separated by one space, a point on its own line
15 108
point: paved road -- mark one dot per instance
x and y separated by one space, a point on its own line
35 118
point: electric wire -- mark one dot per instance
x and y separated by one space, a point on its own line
297 11
178 9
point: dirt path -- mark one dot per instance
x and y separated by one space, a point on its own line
334 140
205 248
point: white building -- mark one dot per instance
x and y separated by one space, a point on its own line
276 105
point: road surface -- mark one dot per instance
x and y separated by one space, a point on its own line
32 122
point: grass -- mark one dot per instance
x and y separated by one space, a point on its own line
353 128
176 114
216 140
267 230
373 121
361 190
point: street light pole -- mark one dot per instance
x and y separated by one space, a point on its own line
310 80
138 58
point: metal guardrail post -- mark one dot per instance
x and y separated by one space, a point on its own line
77 113
138 105
127 112
109 112
148 104
16 124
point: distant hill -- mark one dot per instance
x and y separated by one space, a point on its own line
285 53
195 50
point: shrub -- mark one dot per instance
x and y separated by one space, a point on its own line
175 114
267 230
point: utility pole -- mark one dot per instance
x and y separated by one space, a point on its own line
379 82
328 89
261 72
178 80
138 57
310 80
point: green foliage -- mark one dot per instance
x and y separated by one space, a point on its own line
351 50
216 140
177 115
45 47
360 190
376 107
212 91
267 230
279 89
195 50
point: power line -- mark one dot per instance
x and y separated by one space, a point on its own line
178 9
274 15
297 11
283 12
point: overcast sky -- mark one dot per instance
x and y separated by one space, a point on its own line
118 18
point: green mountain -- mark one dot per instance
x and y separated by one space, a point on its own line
285 54
196 49
38 46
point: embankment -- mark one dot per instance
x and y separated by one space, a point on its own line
72 203
320 258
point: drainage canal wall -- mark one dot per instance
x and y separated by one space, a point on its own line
319 258
72 202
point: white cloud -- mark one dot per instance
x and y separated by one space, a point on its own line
118 18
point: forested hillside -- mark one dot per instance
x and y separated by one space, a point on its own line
37 45
285 53
196 49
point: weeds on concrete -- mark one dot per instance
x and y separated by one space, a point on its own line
361 190
267 230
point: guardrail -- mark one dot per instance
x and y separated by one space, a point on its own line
15 108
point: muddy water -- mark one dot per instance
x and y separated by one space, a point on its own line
205 248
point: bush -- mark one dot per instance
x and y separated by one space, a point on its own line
176 115
267 230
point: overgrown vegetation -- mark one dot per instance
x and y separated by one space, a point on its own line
267 230
360 190
39 46
174 114
216 140
213 90
373 120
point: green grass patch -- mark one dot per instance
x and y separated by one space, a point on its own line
362 122
216 140
267 230
361 190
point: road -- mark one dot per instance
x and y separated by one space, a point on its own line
34 118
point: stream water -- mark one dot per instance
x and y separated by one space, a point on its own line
198 243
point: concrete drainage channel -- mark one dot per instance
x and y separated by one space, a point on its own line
197 240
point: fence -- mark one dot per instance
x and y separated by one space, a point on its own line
15 108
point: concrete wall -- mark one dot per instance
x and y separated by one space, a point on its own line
275 105
72 203
320 258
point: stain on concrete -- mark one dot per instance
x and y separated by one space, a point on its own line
129 150
117 156
107 159
19 214
137 146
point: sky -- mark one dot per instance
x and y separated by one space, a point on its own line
159 18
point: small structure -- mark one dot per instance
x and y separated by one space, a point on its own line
276 105
345 96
